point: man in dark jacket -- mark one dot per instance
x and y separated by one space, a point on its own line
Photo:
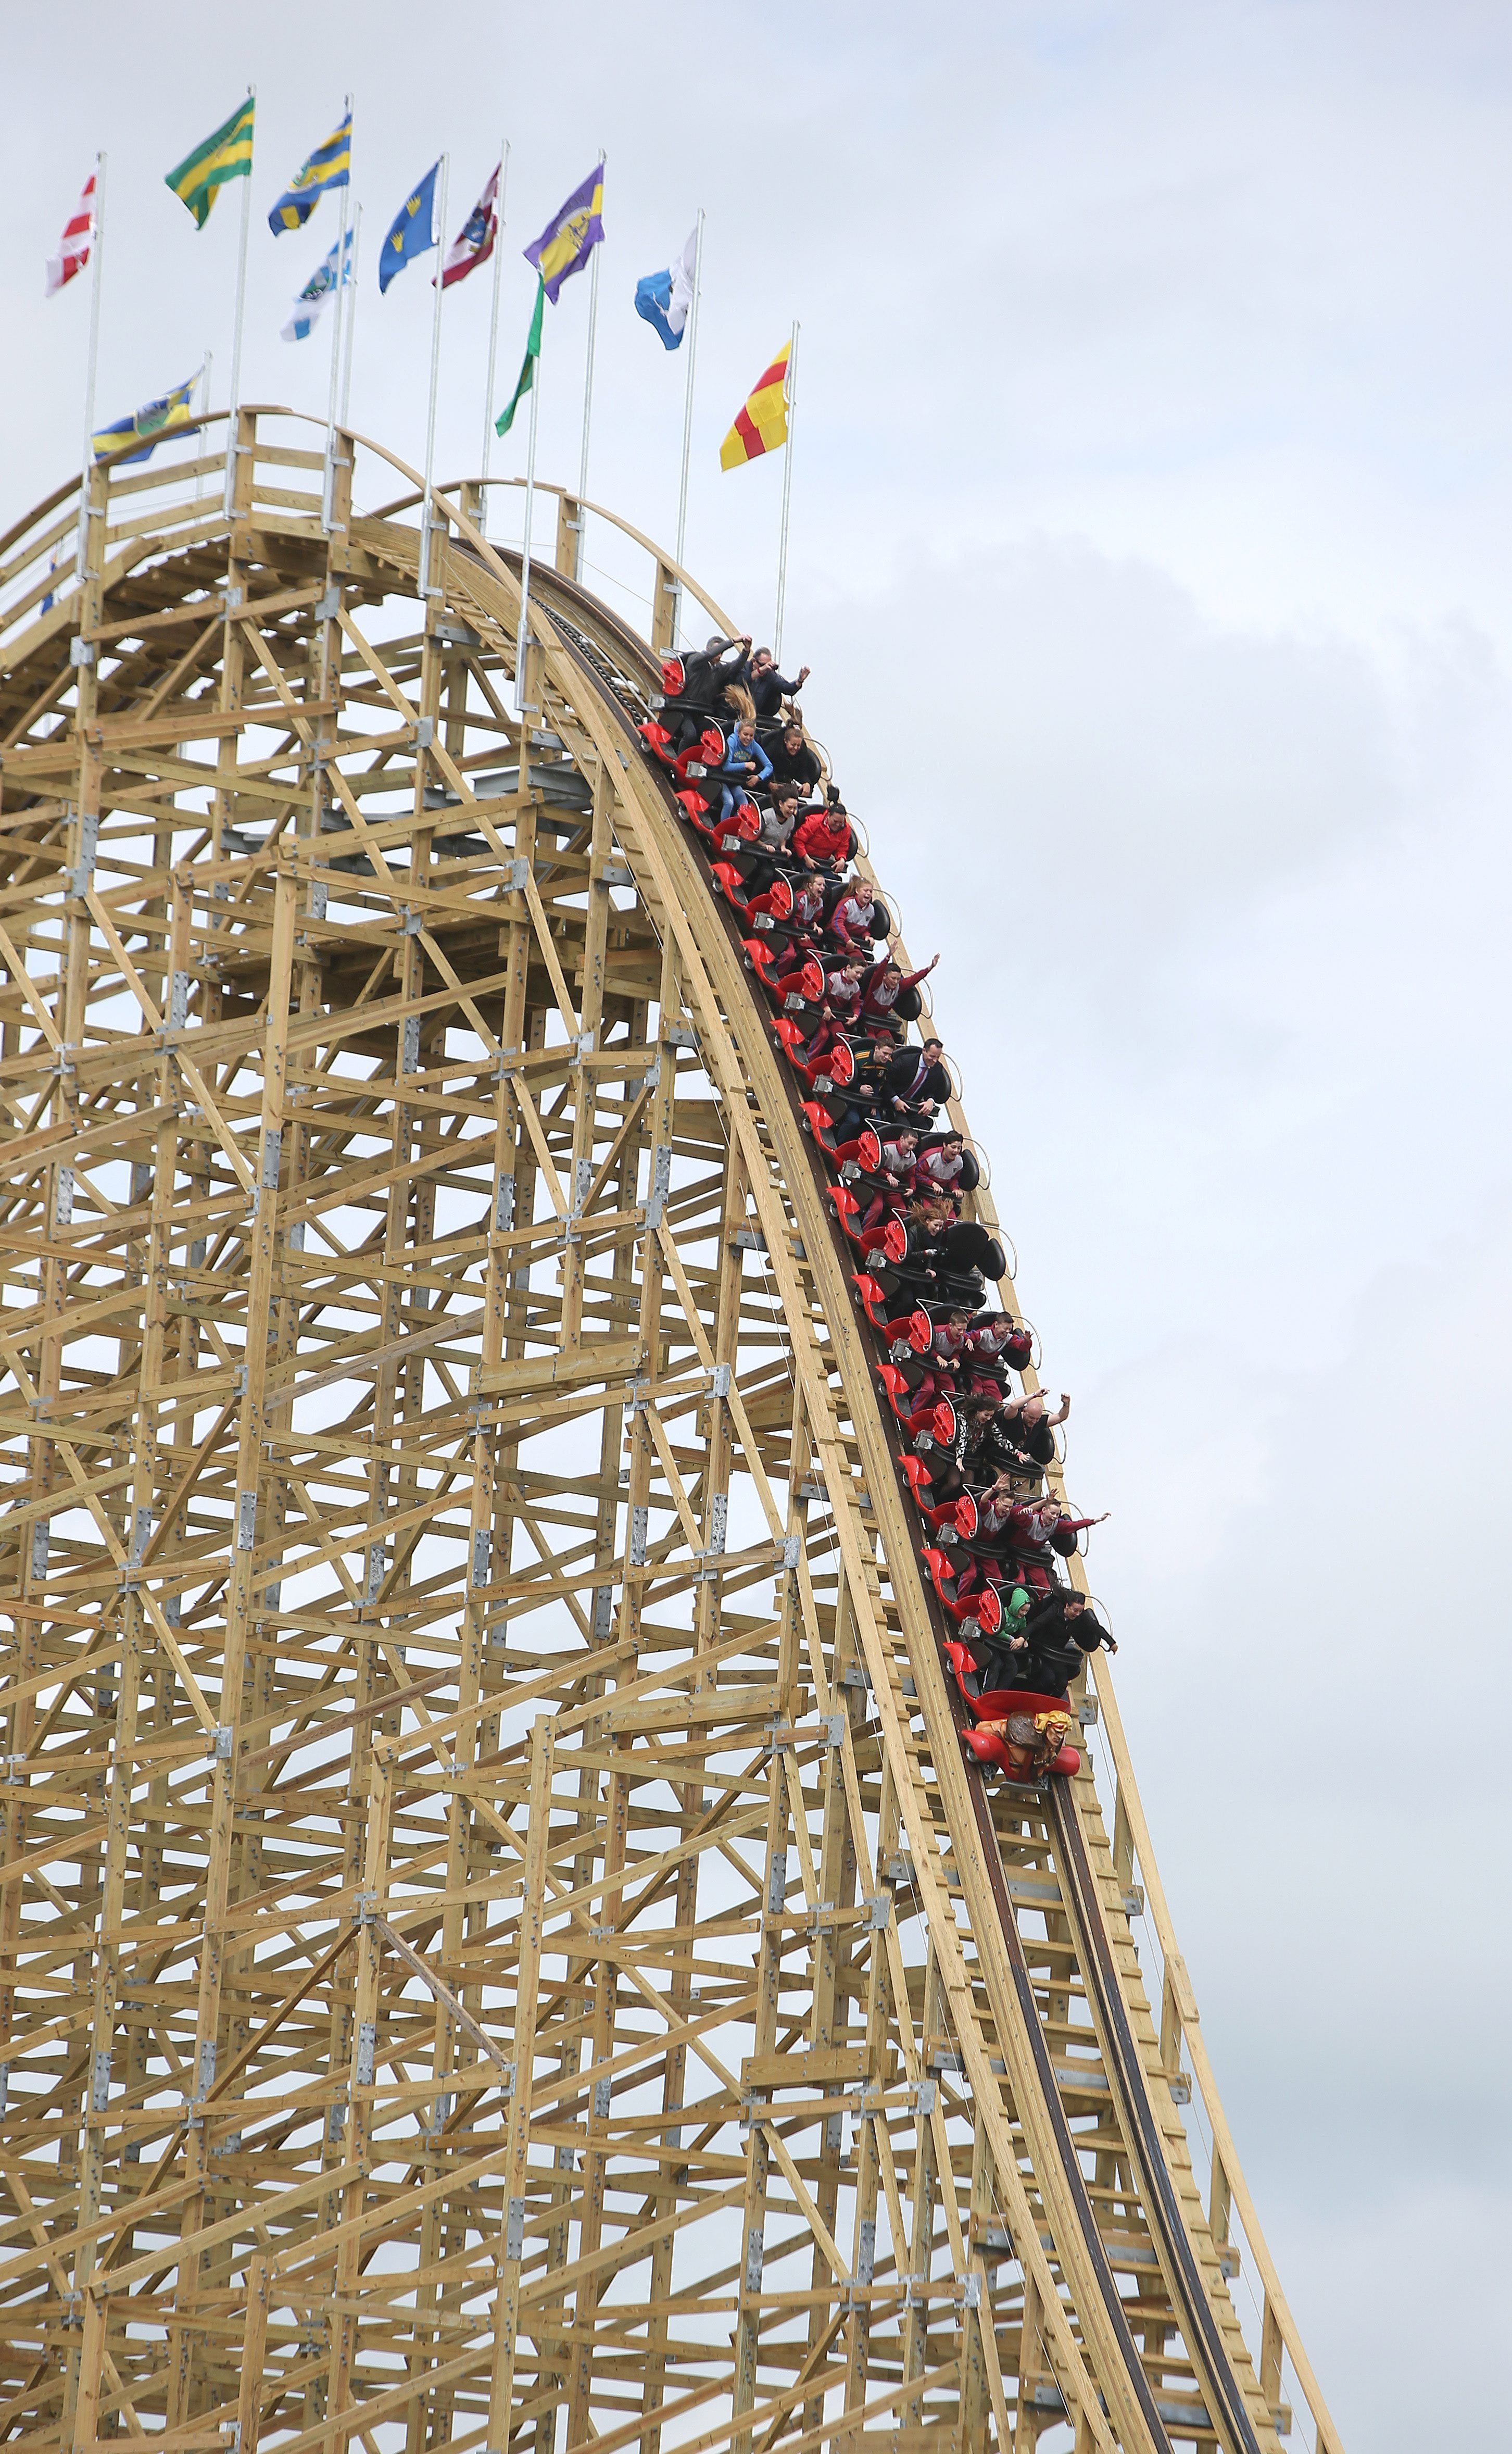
705 679
768 687
916 1081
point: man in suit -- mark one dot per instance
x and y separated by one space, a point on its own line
915 1082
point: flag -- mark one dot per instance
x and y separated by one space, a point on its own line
73 247
228 155
473 244
414 228
319 290
149 425
330 166
664 299
761 425
571 236
532 353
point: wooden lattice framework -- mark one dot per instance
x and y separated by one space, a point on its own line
498 1942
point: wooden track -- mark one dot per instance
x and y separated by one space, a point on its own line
499 1943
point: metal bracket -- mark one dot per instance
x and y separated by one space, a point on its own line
661 1186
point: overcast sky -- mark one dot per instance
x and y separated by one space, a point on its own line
1152 541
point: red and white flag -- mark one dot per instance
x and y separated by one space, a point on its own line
73 248
474 244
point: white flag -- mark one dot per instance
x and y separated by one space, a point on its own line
318 290
73 248
682 298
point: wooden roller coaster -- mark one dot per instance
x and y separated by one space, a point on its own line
500 1943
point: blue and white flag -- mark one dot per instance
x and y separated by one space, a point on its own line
664 299
312 300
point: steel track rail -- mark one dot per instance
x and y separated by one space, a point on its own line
1121 2061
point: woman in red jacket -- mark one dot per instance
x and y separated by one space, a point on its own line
824 838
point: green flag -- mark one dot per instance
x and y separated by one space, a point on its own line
533 352
228 155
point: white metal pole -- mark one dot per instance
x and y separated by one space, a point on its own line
435 380
787 495
205 404
351 317
524 632
91 362
688 416
236 338
588 398
329 479
493 327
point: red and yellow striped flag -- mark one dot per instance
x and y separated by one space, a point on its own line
761 425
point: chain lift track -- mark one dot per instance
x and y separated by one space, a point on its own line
455 1566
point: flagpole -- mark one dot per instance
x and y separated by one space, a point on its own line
493 328
351 317
687 417
92 362
787 495
588 398
521 635
204 403
329 479
236 338
435 381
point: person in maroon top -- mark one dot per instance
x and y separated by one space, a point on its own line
850 922
1034 1523
886 984
939 1168
940 1364
839 1007
891 1176
997 1338
808 907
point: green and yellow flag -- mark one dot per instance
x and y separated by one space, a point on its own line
228 155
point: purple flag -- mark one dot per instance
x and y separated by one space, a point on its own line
570 236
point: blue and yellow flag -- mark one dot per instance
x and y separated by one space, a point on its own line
149 425
228 155
330 166
413 230
570 236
